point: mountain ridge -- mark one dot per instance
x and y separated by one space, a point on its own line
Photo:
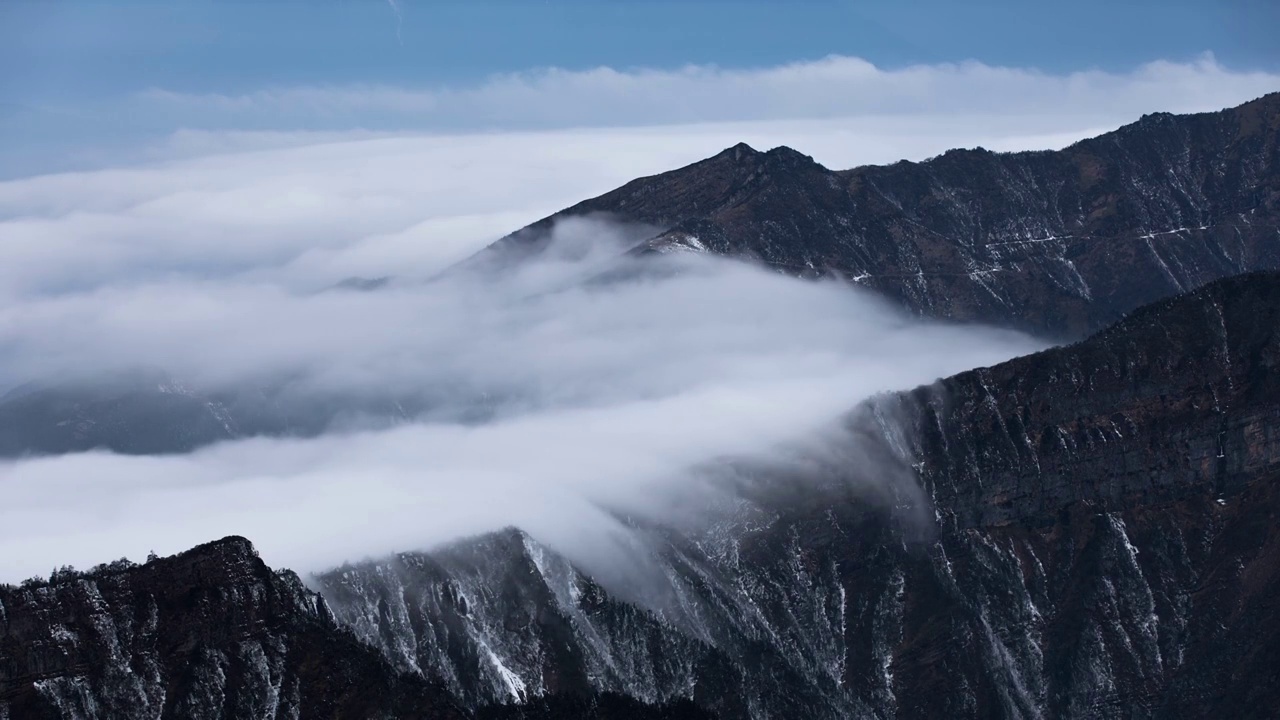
1056 242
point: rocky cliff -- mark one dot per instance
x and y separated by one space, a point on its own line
1058 243
1085 532
210 633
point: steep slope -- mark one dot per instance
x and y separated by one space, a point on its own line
214 633
1058 243
211 633
1086 532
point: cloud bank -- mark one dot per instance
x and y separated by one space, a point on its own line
207 253
607 396
833 87
843 110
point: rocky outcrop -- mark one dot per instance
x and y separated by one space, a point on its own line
1058 243
210 633
215 633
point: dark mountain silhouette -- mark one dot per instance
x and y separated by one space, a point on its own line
1058 243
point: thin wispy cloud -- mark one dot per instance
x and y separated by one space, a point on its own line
834 87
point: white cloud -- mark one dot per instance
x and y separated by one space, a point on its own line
306 208
202 256
311 214
608 396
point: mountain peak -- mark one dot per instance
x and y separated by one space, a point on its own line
788 157
737 153
1060 243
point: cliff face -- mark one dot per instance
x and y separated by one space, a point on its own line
1086 532
1059 243
210 633
1106 516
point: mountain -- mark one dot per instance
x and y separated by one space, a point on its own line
1089 531
1058 243
209 633
214 633
142 413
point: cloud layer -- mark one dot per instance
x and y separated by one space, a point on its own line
206 254
834 87
868 113
605 395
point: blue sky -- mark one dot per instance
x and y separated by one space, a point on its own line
78 48
80 77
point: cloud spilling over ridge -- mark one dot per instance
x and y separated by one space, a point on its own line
303 187
607 396
308 216
210 257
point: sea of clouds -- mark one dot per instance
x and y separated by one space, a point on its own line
210 252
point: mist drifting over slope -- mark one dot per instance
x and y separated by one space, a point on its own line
598 398
544 399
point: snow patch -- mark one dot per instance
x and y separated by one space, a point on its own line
515 686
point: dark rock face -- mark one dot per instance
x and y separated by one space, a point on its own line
1057 243
1106 517
605 707
1092 535
210 633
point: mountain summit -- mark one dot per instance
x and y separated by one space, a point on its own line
1059 243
